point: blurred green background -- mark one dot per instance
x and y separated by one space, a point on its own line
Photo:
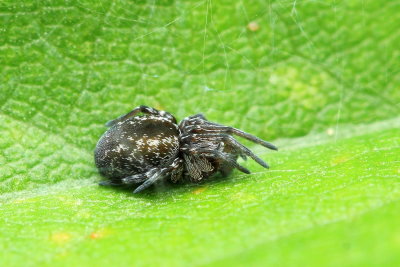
319 78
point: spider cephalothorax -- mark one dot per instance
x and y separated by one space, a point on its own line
141 150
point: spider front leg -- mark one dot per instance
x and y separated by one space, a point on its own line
225 138
141 109
211 127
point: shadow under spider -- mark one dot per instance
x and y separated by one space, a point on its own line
159 189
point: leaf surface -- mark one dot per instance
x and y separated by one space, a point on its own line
327 71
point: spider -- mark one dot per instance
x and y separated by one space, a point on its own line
142 150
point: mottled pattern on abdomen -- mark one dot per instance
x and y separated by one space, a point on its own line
135 146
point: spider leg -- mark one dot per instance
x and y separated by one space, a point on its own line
109 183
190 121
129 180
135 179
233 142
157 174
217 128
198 116
218 155
160 174
141 109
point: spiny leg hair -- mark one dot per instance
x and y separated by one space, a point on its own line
205 126
229 140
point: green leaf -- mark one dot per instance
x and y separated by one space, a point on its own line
333 202
324 70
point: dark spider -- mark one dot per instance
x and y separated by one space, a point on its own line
146 149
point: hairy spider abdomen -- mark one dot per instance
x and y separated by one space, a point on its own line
136 145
